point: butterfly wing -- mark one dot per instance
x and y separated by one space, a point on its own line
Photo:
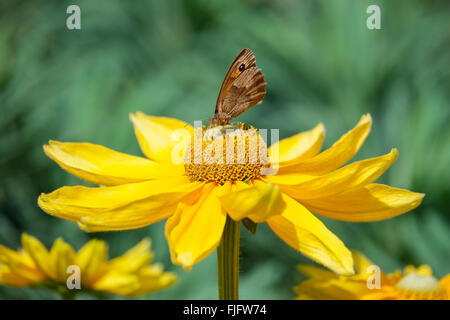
245 92
246 58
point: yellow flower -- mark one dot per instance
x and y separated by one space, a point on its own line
411 284
127 275
196 196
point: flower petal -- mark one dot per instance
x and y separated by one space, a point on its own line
117 283
445 284
103 166
160 205
298 147
307 234
20 264
361 263
194 231
10 278
151 279
134 259
316 272
72 203
62 255
156 136
257 202
337 288
38 252
334 157
372 202
354 175
91 259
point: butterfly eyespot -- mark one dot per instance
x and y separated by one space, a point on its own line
242 67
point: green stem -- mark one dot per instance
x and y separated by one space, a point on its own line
65 293
228 261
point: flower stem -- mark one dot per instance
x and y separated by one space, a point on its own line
66 294
228 261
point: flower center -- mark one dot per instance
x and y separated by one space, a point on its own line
226 153
420 283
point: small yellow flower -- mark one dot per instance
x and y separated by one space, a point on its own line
196 197
127 275
411 284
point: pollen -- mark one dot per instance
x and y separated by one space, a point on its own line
226 153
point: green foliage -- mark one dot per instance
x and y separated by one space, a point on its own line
169 58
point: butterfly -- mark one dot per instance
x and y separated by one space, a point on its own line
242 88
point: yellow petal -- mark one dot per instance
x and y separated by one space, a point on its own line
193 232
9 278
372 202
332 289
313 289
117 283
334 157
257 202
298 147
134 259
21 265
156 136
103 166
302 231
91 259
72 203
38 252
304 296
151 279
445 284
361 262
62 256
351 176
316 272
158 206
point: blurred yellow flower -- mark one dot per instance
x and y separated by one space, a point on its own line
411 284
129 275
197 197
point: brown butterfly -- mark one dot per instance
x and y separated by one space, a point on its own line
242 88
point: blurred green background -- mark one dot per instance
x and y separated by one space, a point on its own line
169 58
